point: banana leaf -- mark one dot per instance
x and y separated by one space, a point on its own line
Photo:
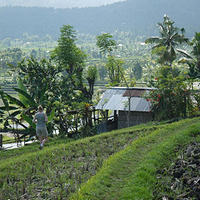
15 113
22 98
10 108
29 99
14 100
5 101
51 116
41 93
29 120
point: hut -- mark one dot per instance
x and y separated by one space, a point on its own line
124 107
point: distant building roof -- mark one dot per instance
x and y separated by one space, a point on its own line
117 99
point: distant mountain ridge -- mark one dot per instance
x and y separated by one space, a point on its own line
57 3
138 16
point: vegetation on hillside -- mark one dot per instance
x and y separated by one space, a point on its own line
137 16
57 84
174 94
64 168
45 78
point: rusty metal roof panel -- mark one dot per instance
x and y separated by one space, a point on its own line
134 92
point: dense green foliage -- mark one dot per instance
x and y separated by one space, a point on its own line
173 93
56 84
66 68
173 96
192 59
114 67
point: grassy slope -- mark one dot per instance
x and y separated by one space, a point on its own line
131 173
61 169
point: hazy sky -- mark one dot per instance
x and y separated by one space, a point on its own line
57 3
86 3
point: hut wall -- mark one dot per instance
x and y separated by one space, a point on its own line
135 118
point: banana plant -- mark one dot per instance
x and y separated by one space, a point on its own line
7 112
20 110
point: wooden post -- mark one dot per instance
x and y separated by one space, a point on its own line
94 117
76 120
106 115
1 140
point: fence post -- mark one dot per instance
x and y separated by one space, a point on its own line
1 140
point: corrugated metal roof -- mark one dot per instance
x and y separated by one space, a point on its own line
114 99
134 92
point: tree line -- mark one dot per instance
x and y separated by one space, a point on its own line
132 15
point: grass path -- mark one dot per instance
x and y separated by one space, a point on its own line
62 166
131 173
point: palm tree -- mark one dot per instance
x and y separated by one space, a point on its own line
193 59
170 37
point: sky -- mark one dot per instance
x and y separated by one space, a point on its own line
58 3
89 3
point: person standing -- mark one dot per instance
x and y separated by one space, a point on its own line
41 131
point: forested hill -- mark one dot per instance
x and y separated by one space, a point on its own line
139 16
